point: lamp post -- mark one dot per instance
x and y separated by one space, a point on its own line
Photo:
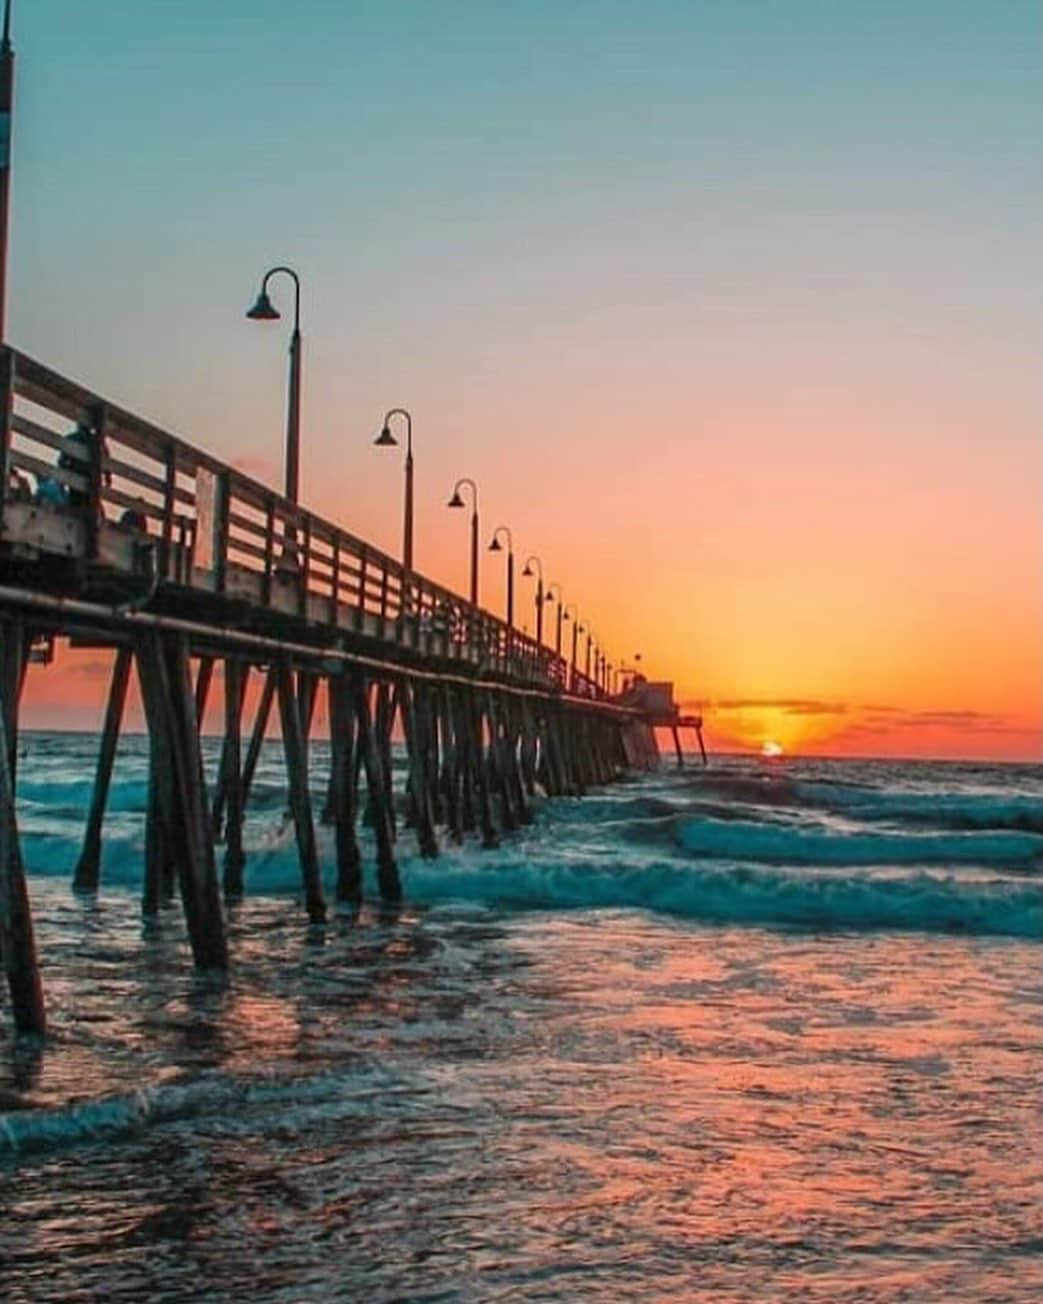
265 310
577 629
457 501
387 440
633 670
549 596
6 112
528 573
590 646
496 546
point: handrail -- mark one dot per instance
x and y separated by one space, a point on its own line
218 530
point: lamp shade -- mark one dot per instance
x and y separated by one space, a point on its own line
528 572
456 500
263 309
385 439
495 545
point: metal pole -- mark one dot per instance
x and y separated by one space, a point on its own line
539 611
407 534
474 554
293 419
6 112
510 588
575 648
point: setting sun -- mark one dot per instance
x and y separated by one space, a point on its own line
771 748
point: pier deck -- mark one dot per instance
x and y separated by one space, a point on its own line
120 535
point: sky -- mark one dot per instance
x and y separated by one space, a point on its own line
730 307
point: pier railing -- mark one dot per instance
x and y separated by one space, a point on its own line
128 501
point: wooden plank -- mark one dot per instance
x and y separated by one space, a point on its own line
50 438
47 471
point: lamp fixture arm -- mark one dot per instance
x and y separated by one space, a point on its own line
402 412
287 271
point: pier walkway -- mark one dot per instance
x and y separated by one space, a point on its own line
118 535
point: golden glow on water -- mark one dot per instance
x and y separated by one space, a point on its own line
643 1100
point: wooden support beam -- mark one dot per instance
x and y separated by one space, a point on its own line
549 761
344 785
465 769
529 747
204 678
450 772
159 868
253 752
17 941
163 673
428 706
500 765
677 747
300 798
388 881
217 809
384 720
513 741
418 744
235 859
86 876
490 837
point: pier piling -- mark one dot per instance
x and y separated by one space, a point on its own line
17 942
85 878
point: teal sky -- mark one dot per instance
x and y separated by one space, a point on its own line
716 275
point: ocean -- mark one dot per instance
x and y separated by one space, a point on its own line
764 1031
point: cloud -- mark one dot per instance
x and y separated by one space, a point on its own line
791 705
862 720
890 717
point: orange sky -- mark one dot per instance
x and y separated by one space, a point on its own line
733 319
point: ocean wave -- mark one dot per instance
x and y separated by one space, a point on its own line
218 1097
961 810
919 902
786 844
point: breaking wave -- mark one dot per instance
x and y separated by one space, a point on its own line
744 895
786 844
219 1099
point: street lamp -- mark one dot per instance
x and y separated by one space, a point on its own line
549 596
528 572
387 440
633 671
457 501
265 310
496 546
577 629
590 646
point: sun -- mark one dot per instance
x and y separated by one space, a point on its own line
771 748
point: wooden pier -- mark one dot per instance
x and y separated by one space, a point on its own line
118 535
